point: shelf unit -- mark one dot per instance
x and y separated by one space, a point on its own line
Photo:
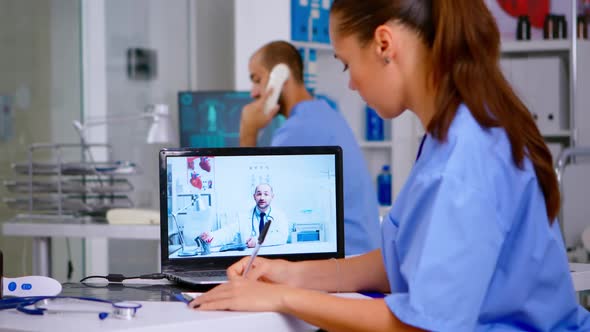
53 185
563 53
376 144
542 74
535 46
316 46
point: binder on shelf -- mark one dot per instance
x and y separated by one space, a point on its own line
541 83
311 70
300 11
314 21
310 21
323 23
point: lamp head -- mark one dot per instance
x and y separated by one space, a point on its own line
160 131
160 128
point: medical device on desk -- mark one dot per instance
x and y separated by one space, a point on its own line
27 286
40 305
308 232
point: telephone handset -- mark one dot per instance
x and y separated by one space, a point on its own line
278 76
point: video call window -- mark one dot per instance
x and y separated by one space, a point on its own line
222 197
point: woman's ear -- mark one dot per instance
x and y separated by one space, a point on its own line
384 43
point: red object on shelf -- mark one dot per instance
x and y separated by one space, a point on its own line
535 9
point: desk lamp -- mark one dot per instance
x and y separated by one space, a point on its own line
160 129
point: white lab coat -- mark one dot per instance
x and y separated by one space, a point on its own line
247 227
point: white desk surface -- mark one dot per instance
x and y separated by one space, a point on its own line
96 237
155 316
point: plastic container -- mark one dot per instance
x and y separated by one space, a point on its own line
384 186
374 130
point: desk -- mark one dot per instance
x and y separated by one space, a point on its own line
153 316
95 234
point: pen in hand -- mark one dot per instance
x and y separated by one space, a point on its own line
257 247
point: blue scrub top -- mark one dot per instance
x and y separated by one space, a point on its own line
314 123
468 245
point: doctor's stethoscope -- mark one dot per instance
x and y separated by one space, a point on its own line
39 305
253 231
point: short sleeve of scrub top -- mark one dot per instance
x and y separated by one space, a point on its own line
468 245
454 218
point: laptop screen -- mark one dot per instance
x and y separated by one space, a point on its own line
215 202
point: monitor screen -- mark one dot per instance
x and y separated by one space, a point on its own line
212 119
215 204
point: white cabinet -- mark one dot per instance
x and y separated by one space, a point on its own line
540 73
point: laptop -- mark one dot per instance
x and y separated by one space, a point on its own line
215 201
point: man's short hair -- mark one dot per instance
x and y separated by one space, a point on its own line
280 51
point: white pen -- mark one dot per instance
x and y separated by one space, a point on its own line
257 247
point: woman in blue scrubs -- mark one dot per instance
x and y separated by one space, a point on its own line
471 243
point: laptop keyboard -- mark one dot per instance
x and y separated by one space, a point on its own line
193 274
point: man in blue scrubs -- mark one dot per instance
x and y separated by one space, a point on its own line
312 122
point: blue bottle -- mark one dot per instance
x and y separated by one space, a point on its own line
374 130
384 186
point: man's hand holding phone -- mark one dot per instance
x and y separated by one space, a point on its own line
254 119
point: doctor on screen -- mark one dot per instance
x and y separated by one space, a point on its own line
251 223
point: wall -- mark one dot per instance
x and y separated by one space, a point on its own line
213 28
257 22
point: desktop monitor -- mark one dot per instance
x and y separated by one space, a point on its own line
211 119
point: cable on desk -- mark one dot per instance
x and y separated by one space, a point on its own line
113 277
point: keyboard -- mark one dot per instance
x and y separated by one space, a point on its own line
208 273
198 277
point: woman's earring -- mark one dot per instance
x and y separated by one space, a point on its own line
386 60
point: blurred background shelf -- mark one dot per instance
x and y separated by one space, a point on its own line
313 45
535 46
376 144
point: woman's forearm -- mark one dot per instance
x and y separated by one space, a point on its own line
364 272
334 313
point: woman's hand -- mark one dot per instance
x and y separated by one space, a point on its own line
243 295
277 271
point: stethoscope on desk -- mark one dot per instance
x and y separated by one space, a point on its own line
253 232
39 305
